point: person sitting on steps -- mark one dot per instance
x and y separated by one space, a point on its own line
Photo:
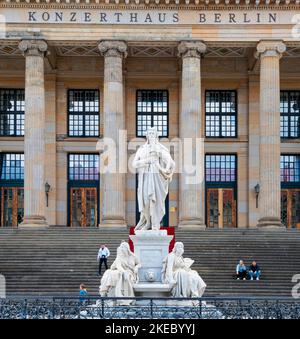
254 271
241 271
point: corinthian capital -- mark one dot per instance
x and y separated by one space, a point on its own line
113 48
191 49
270 48
33 47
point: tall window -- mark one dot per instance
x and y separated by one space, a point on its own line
84 167
290 114
152 111
220 168
12 110
290 168
12 166
220 114
83 112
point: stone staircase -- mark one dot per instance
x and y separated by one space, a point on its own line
216 253
55 261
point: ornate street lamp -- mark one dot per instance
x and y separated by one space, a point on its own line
47 190
257 190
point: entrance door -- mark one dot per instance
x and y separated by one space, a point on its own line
84 204
290 207
12 206
221 207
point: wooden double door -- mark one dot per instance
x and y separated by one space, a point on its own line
84 206
290 207
12 206
221 207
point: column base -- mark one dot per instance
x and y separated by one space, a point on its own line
192 224
113 223
33 222
270 223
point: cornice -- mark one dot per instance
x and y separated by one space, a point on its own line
104 4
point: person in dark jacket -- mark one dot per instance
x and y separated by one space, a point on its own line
254 271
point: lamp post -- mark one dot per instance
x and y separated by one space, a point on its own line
257 190
47 190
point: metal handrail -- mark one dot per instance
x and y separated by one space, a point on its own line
76 307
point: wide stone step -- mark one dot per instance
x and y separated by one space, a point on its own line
57 260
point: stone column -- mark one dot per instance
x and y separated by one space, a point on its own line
113 184
34 144
191 187
269 53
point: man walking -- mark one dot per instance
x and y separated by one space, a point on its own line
103 254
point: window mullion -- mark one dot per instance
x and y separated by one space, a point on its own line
289 115
83 113
220 116
15 114
152 108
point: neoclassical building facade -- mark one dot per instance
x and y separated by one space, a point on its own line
73 73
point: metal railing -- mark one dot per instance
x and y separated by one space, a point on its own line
95 307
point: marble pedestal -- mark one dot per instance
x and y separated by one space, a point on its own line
151 247
152 290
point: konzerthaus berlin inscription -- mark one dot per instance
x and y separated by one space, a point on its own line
149 17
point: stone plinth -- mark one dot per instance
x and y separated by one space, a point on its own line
150 290
151 247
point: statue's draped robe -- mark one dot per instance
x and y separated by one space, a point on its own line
118 281
186 282
153 184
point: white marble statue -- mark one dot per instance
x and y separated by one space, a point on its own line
118 281
155 169
185 282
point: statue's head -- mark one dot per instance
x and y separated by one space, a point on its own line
178 248
152 135
124 249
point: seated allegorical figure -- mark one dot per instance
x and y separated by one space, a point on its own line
118 281
185 282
